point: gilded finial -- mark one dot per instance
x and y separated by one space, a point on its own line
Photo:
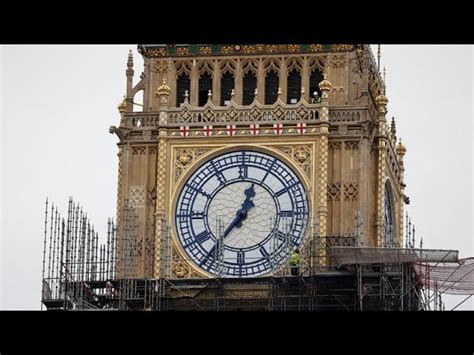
302 90
232 93
186 96
163 89
279 92
121 107
401 150
325 84
255 93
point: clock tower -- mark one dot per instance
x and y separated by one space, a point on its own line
241 154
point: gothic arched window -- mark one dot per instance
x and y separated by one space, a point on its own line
249 86
227 85
389 220
205 84
314 80
294 87
271 87
183 84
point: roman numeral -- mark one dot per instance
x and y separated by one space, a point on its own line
201 191
280 236
268 170
264 252
287 213
286 189
202 237
240 257
219 174
281 192
210 255
243 171
197 215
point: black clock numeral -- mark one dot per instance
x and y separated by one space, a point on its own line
219 174
286 189
268 170
197 215
264 252
280 236
240 257
210 255
202 237
243 172
287 213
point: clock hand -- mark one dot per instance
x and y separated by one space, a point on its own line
242 213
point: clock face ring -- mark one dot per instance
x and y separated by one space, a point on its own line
240 213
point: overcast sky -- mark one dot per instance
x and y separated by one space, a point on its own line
57 103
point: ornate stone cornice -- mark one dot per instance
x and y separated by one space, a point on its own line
193 50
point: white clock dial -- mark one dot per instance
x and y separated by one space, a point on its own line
250 202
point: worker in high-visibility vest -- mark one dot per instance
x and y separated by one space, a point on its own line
295 262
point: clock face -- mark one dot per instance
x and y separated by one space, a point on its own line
240 213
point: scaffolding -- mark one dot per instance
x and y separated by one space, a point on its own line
335 273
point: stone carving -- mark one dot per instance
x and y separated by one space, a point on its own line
185 158
350 192
137 196
301 155
161 67
338 61
334 191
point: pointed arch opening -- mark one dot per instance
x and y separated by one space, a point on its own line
294 87
183 84
227 85
271 87
314 91
205 84
249 86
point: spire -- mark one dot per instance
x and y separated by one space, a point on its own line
378 57
129 73
393 128
130 60
384 82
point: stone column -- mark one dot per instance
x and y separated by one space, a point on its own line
238 83
194 94
129 73
305 79
325 87
260 83
381 102
163 93
401 150
216 85
283 80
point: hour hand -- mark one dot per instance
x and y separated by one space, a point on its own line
237 222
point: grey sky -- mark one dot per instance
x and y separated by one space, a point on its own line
57 102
